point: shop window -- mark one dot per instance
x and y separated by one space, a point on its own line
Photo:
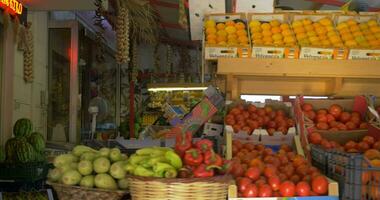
260 98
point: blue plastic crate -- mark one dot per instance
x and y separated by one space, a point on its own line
319 158
357 179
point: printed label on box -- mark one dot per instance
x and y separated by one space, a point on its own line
275 52
364 54
316 53
221 52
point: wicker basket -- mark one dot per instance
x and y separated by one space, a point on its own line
67 192
213 188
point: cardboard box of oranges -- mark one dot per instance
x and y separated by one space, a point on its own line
226 35
272 36
317 37
361 34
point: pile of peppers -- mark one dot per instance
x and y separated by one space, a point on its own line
199 159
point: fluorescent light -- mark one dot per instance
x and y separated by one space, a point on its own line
311 97
176 89
259 98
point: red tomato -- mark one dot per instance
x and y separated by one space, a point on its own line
283 130
271 124
302 170
333 129
260 120
356 114
254 116
333 124
307 107
322 111
335 110
261 112
280 113
274 182
369 140
345 117
236 128
230 122
363 125
319 185
237 170
235 111
249 146
303 189
376 145
270 171
310 114
283 123
272 115
363 146
245 114
287 189
250 191
330 118
295 178
279 119
322 126
252 108
315 138
341 126
239 117
356 120
321 118
253 173
242 183
350 145
351 125
265 191
237 143
286 147
290 122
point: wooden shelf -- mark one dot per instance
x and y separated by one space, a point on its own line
297 76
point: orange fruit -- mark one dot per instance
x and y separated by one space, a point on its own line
326 43
347 36
313 39
323 37
241 32
211 42
257 36
335 39
258 42
370 37
210 30
266 26
274 23
267 40
220 26
311 34
360 40
287 33
256 29
309 27
267 33
329 28
306 22
331 34
240 26
344 31
301 36
230 29
284 26
367 32
358 33
276 29
374 43
230 23
223 43
210 23
375 29
351 43
363 26
243 39
317 25
211 37
341 26
321 31
232 37
289 39
298 30
377 35
221 38
278 42
354 28
297 24
372 22
325 22
351 22
277 36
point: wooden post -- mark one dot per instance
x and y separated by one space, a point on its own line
131 109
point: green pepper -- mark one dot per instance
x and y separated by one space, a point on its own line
129 168
160 166
141 171
171 173
154 161
136 159
174 159
159 174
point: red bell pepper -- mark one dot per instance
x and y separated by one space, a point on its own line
193 157
183 142
203 171
212 158
204 145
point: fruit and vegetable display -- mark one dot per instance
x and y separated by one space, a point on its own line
248 118
26 146
261 172
334 118
227 33
271 33
356 35
37 195
87 167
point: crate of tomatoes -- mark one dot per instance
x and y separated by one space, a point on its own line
260 172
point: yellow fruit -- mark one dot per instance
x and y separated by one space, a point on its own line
240 26
323 37
377 35
278 42
306 22
321 31
367 32
317 25
211 41
325 22
221 39
335 39
347 36
277 36
351 43
332 34
210 30
286 33
311 34
316 43
374 43
257 36
358 33
210 23
230 23
354 28
254 23
220 26
299 30
232 37
309 27
297 24
230 29
363 26
267 40
211 37
341 26
241 32
375 29
304 42
339 45
284 27
222 33
301 36
370 37
326 43
360 40
276 29
232 42
351 22
274 23
222 43
344 31
365 44
313 39
243 39
267 33
329 28
372 22
289 39
258 42
266 26
256 29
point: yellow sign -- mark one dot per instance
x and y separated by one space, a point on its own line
11 6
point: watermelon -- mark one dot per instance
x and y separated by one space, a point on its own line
22 128
19 150
37 141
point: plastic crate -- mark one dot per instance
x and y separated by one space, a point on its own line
356 177
32 171
319 158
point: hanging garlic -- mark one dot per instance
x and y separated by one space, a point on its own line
122 36
169 57
25 44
